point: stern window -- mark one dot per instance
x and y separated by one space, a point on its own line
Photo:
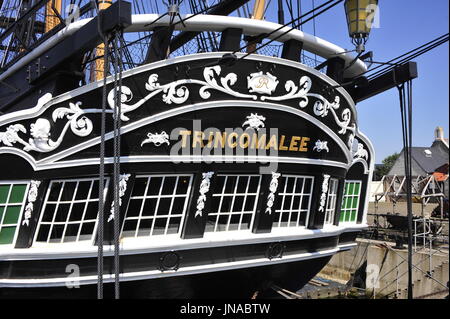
12 201
234 203
331 201
293 202
350 201
157 205
70 211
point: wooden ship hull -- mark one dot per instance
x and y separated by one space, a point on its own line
234 177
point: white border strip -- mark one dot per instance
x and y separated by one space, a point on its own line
134 246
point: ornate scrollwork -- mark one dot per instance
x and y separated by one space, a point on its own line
157 138
32 196
272 188
204 189
321 146
323 196
361 152
254 121
40 130
123 179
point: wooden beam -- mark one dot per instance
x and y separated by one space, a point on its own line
386 81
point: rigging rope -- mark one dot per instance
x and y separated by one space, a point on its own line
405 97
101 203
286 25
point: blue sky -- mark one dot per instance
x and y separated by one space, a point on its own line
404 25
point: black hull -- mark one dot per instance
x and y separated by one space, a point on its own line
239 283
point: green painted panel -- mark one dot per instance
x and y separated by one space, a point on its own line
347 216
7 235
341 217
12 215
350 189
1 212
353 216
4 190
357 187
17 193
355 203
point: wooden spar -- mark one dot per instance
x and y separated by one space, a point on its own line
258 14
51 19
99 65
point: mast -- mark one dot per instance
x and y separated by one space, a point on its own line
258 14
99 65
52 8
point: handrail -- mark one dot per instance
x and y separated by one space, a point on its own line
140 22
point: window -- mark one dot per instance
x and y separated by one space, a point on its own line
331 201
70 211
12 201
350 201
234 203
157 205
293 202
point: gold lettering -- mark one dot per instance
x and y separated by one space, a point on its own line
282 146
303 144
272 143
258 143
220 137
230 138
210 139
198 139
241 144
262 82
184 135
293 145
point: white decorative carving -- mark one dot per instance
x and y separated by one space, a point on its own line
294 92
123 179
211 83
40 130
176 92
321 146
10 136
254 121
31 198
262 83
361 152
323 196
158 138
272 188
204 189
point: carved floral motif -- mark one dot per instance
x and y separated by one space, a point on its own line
157 139
272 188
321 146
204 189
123 179
323 196
31 198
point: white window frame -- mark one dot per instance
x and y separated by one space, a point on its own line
25 197
330 211
358 202
222 194
283 194
67 222
144 197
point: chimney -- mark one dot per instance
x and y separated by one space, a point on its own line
439 133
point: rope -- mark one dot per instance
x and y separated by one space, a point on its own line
101 183
116 159
406 117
